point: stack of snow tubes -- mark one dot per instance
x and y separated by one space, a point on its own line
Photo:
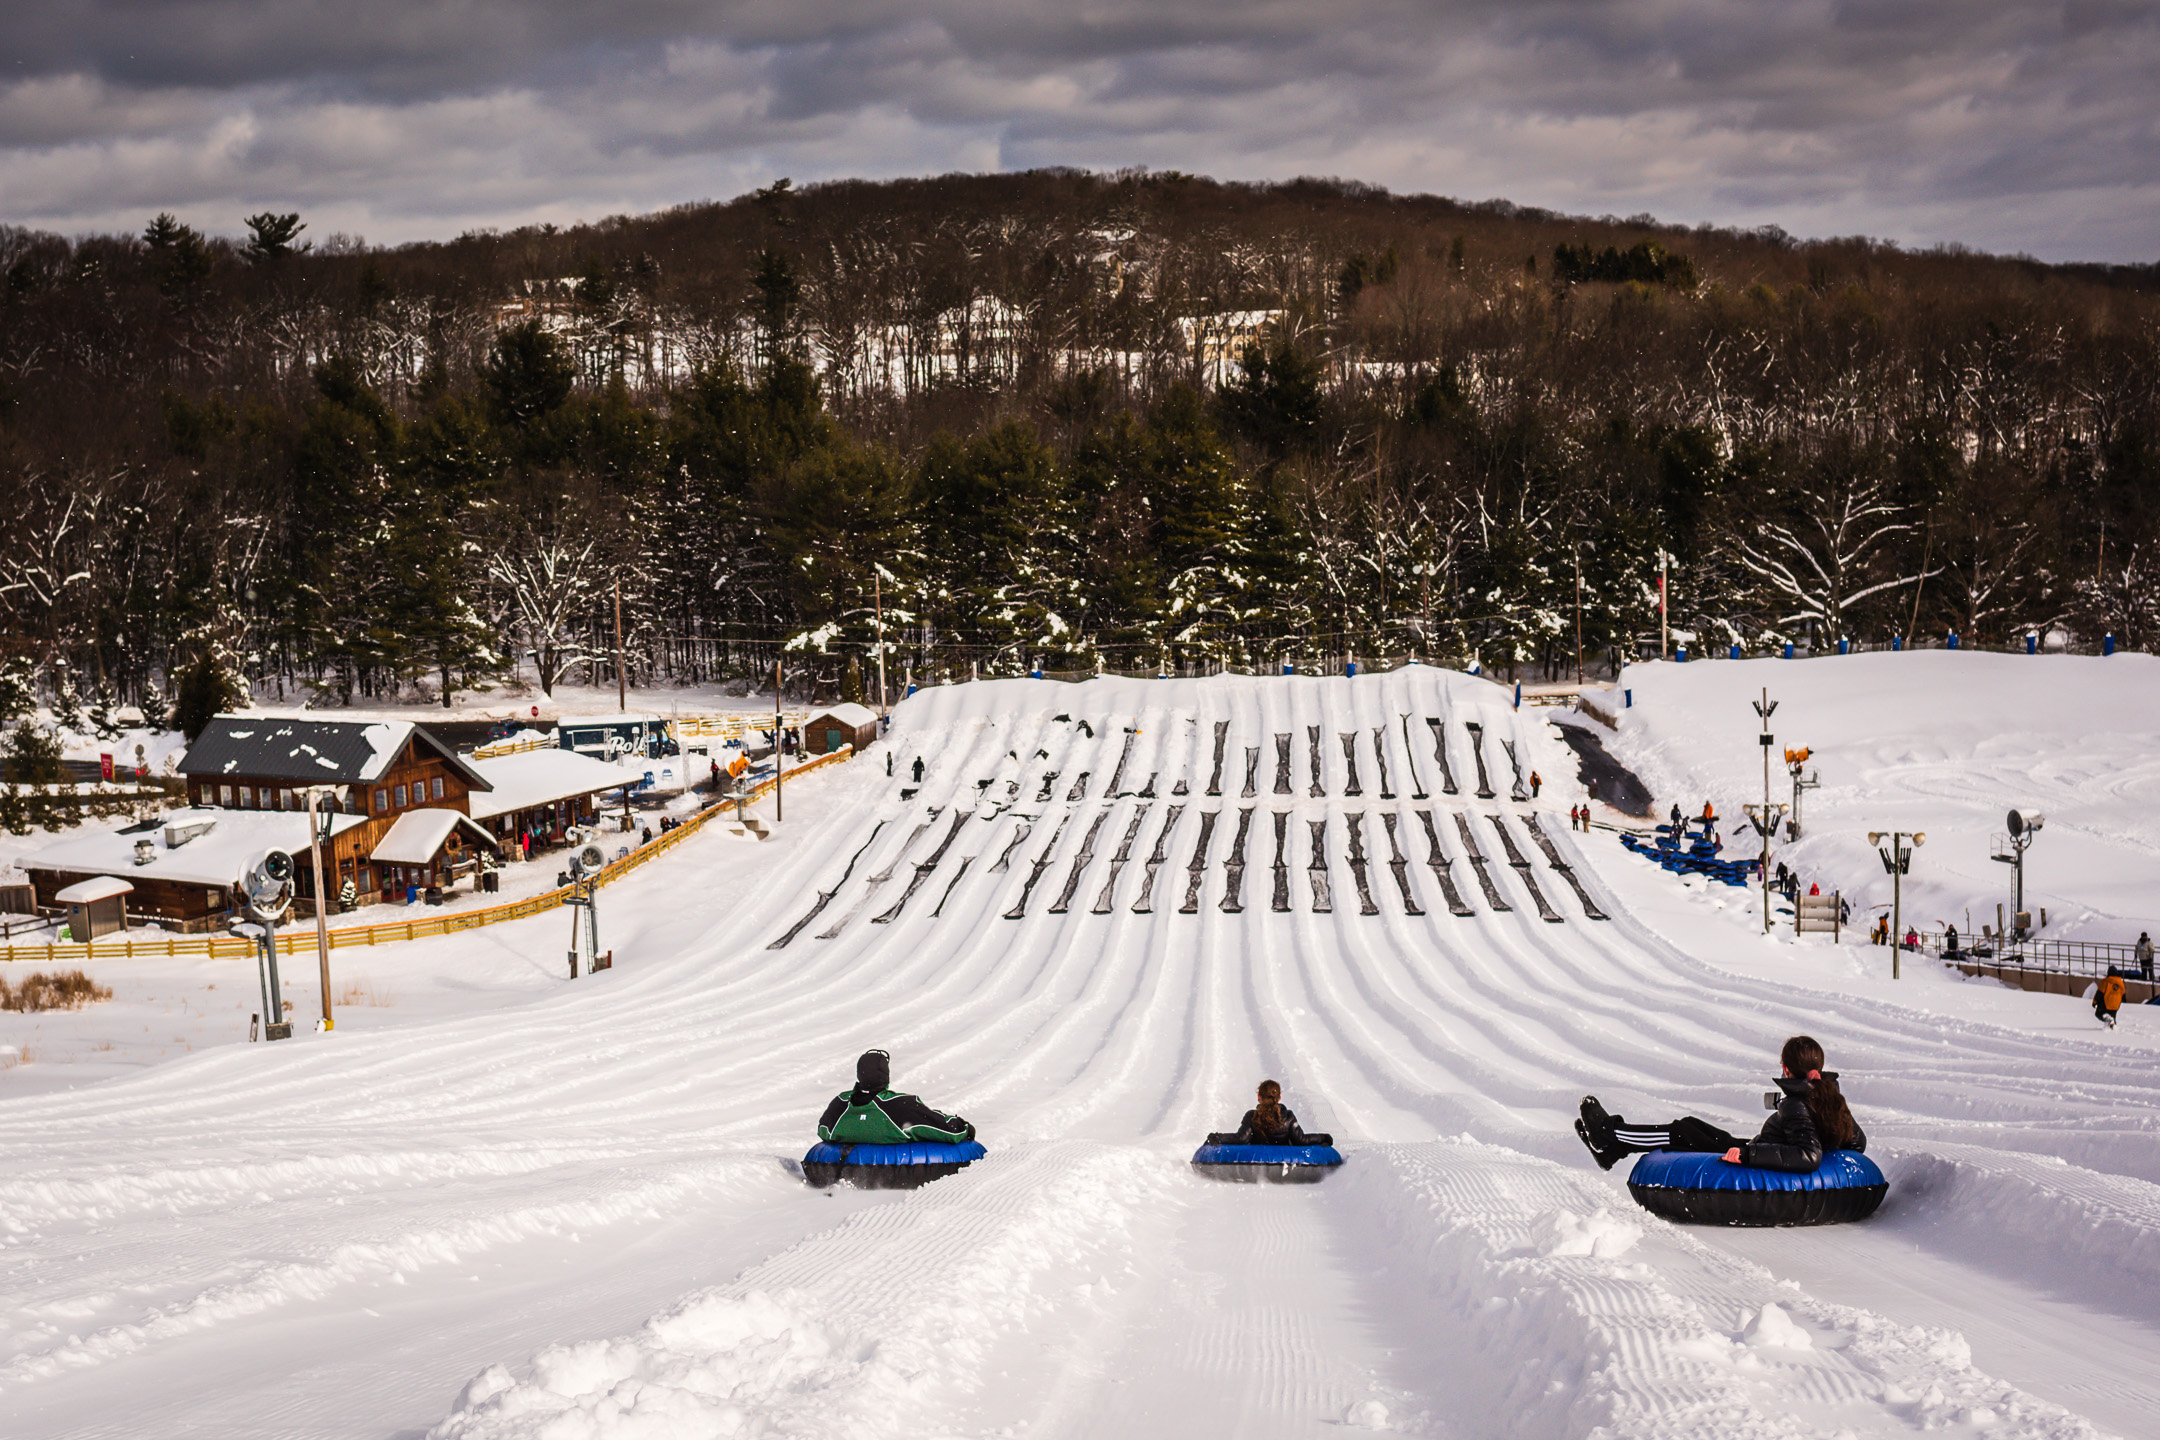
1302 1164
1702 1189
1700 857
886 1167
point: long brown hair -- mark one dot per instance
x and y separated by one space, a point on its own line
1269 1111
1802 1058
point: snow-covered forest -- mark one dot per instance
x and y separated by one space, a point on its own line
1059 418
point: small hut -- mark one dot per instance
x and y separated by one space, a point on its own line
828 730
97 906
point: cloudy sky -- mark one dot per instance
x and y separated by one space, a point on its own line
2025 127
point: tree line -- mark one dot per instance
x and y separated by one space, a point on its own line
1058 418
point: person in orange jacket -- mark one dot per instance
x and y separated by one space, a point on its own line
2107 999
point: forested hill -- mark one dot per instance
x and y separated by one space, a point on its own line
1124 419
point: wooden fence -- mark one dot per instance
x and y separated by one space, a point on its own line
299 939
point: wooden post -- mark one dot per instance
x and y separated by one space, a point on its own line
322 924
779 745
1578 617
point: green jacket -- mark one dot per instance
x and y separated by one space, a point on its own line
856 1117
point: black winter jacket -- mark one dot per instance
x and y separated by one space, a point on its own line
1250 1133
1788 1140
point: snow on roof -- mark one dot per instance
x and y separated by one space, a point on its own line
848 714
101 887
634 717
309 751
417 837
215 856
541 777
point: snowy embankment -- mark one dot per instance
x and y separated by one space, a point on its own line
1941 741
574 1216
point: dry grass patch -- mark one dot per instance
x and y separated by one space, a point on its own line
65 990
362 992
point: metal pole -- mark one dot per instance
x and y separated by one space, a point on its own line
1765 709
1664 635
2019 908
322 924
622 684
779 747
1897 899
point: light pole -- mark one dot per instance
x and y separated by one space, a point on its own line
779 748
1897 860
1764 709
1764 818
315 794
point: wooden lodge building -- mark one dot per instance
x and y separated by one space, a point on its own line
403 816
382 772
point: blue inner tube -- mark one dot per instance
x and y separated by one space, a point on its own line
886 1167
1701 1189
1283 1164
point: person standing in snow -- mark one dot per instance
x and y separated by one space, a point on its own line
873 1113
2144 953
918 769
1676 821
1950 942
1813 1117
1536 780
2107 999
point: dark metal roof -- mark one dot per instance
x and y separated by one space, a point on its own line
316 752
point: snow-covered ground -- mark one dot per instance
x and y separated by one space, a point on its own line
551 1208
1941 741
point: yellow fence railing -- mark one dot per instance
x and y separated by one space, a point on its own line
496 749
301 937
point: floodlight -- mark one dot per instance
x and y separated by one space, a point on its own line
1919 837
1874 837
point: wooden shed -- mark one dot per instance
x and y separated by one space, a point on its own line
97 906
827 730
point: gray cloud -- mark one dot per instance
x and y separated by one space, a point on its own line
2008 126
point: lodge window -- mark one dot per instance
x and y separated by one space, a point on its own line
363 883
436 787
382 801
401 797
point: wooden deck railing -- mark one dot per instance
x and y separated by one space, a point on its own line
299 938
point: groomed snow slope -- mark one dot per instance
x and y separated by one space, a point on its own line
579 1212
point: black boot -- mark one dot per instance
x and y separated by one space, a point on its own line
1596 1131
